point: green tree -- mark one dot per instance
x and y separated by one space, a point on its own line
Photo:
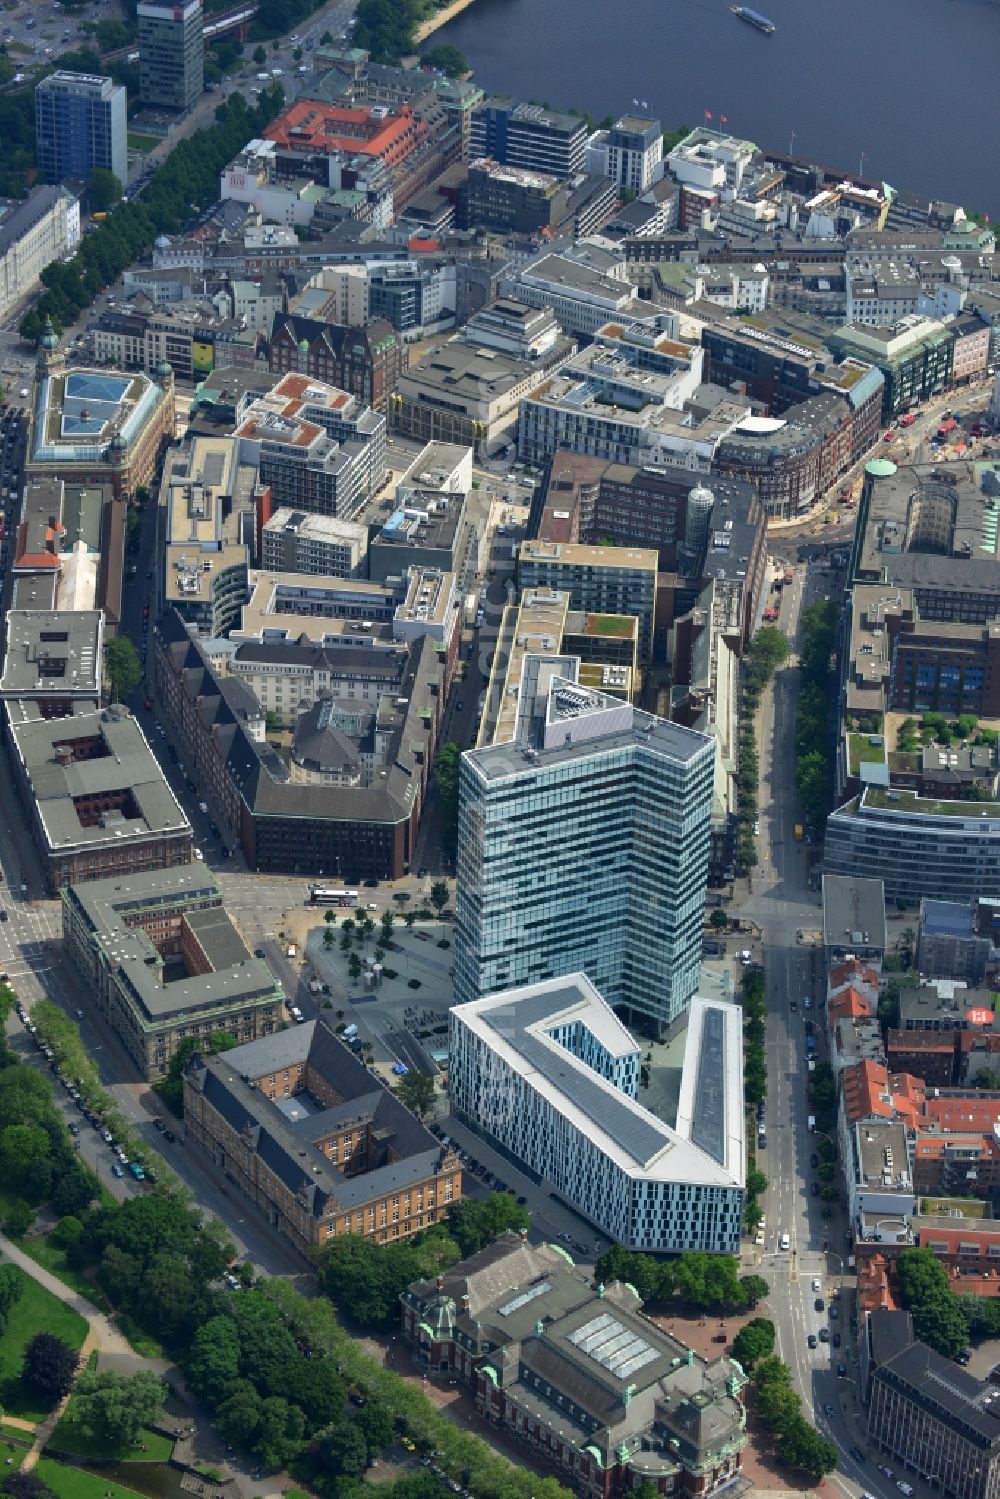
103 190
446 59
718 920
368 1279
354 967
439 894
26 1486
74 1191
113 1407
387 922
259 56
416 1091
754 1341
777 1401
345 1450
446 772
375 1422
12 1283
473 1223
171 1088
22 1148
281 1435
640 1270
755 1289
801 1446
49 1367
926 1293
68 1230
213 1360
122 667
238 1417
768 650
19 1217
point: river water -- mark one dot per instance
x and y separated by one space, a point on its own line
911 84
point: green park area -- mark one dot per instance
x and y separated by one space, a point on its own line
862 751
75 1483
36 1310
609 624
73 1439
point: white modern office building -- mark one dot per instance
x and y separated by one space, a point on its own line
583 844
550 1077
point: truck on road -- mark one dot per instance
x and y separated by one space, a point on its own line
799 831
470 609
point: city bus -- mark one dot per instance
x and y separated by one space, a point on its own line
323 895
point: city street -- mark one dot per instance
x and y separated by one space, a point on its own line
783 902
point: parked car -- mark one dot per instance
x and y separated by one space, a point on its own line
117 1170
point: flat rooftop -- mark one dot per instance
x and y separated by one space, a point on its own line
537 629
932 527
707 1143
288 605
331 530
578 554
53 652
112 909
853 912
79 413
95 780
560 721
191 569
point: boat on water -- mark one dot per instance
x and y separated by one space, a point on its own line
753 18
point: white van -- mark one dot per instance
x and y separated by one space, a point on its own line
785 1242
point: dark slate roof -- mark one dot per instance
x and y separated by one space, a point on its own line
947 1393
287 1146
262 778
27 214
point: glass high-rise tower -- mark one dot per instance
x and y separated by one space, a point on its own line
583 846
171 53
80 123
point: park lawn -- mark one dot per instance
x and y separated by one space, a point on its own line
11 1458
73 1441
54 1260
75 1483
16 1433
142 142
36 1311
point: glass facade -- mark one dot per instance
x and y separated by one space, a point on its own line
80 124
171 53
592 860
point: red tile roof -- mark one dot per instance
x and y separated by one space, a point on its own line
849 1004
